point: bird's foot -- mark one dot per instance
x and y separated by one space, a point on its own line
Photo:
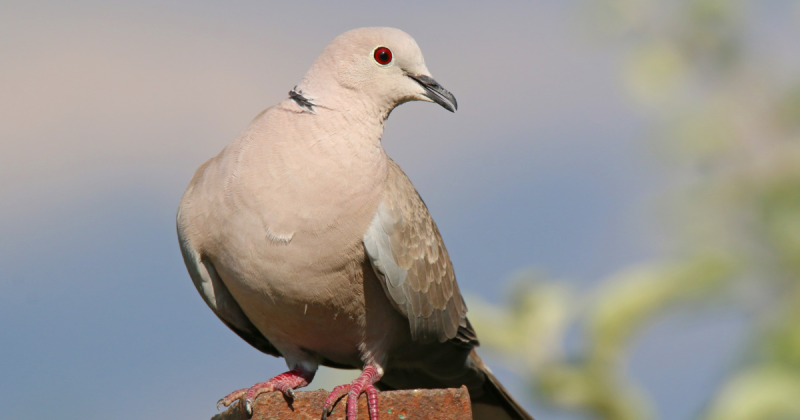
285 382
362 384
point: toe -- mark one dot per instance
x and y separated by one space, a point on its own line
333 397
253 393
231 398
352 404
372 402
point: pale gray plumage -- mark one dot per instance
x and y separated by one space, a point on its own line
311 244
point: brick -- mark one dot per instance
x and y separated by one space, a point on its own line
440 404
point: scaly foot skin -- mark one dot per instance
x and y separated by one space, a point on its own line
285 382
363 383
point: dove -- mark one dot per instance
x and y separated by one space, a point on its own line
311 244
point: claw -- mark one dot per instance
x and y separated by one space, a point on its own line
363 384
286 382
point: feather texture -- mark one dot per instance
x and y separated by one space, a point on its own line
409 257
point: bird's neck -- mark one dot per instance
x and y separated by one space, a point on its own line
327 95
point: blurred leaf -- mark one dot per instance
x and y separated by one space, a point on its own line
787 112
532 329
762 393
654 72
594 391
632 297
709 89
703 133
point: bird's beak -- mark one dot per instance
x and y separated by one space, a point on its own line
435 92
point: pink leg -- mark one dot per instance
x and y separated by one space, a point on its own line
285 382
363 383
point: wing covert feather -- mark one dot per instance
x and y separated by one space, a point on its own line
412 263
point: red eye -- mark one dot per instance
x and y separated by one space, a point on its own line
383 55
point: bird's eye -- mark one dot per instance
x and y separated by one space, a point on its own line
383 55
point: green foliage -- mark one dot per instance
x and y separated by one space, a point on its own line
715 104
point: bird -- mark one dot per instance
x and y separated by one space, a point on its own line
311 244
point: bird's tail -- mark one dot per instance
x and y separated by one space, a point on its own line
495 403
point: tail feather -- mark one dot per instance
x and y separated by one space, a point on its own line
496 402
490 400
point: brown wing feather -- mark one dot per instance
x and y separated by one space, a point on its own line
409 256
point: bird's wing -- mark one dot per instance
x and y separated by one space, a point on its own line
410 259
216 294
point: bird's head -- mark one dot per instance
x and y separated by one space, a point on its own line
381 66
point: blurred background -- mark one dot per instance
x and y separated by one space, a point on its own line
619 193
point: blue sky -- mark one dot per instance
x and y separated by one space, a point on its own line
108 107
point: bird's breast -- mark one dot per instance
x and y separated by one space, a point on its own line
288 205
302 213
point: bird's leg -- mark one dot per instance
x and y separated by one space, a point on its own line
364 383
286 383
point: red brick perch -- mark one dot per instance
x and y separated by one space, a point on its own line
433 404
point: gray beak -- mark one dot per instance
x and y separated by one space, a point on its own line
436 92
